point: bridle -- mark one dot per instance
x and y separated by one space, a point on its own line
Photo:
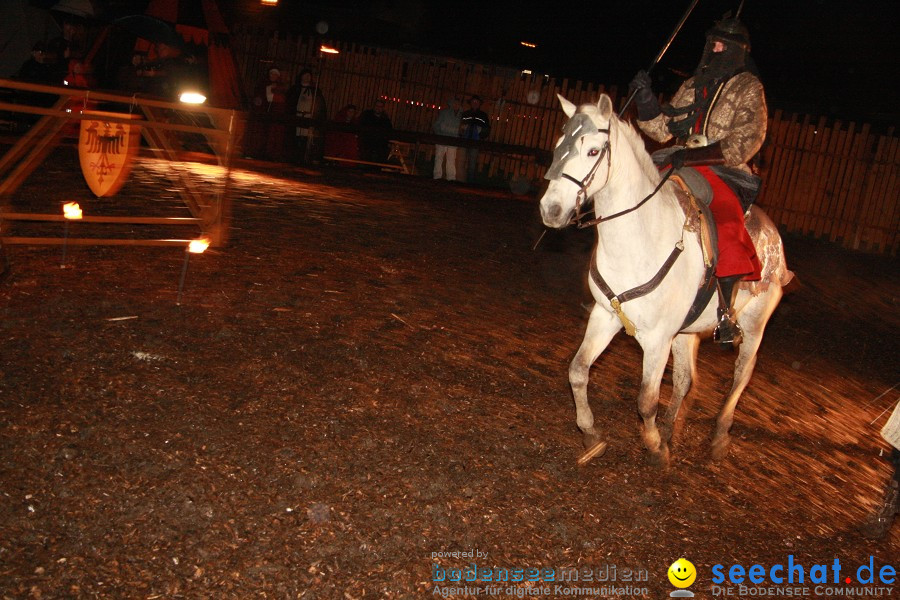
583 184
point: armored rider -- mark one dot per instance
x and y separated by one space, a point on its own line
720 115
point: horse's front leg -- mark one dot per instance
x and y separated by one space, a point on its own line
656 353
602 326
684 372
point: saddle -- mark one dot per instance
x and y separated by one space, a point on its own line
695 195
745 186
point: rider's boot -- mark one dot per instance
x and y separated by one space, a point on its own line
727 331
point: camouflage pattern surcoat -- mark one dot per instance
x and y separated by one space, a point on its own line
737 118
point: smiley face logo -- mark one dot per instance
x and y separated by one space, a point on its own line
682 573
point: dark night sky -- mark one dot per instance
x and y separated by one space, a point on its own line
823 57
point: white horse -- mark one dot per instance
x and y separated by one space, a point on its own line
603 158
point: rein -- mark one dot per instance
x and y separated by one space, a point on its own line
576 220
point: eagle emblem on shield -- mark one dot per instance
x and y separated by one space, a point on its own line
106 150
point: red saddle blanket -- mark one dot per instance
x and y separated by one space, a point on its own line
737 255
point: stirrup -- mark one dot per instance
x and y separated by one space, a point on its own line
728 331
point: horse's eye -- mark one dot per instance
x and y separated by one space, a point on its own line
593 151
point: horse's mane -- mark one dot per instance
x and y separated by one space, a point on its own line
627 132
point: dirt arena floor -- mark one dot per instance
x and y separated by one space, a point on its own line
372 376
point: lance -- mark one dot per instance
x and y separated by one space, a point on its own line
663 50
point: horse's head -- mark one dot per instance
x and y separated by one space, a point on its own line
581 161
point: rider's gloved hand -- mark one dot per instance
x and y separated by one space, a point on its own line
644 99
677 158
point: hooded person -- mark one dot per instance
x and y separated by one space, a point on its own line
447 124
718 118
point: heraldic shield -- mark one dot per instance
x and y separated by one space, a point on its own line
107 150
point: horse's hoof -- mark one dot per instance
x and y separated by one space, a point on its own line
720 447
660 458
598 449
666 431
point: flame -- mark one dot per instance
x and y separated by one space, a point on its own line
198 246
71 210
329 50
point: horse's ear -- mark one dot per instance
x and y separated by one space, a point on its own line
604 105
567 106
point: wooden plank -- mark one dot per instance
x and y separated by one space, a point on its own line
877 220
813 201
782 164
770 164
795 190
841 172
864 225
828 166
852 187
48 241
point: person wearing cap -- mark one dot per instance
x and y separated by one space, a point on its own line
718 117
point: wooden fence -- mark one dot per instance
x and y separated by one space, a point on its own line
832 181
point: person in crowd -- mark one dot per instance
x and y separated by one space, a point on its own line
475 125
375 134
163 74
40 68
71 48
339 142
306 101
447 123
130 77
265 131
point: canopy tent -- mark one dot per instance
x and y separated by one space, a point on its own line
200 23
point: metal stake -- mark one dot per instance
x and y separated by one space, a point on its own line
184 268
62 265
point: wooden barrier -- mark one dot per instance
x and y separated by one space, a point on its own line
210 208
834 181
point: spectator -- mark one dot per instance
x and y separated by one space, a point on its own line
130 77
40 68
475 126
71 48
340 143
447 123
375 134
163 73
265 132
307 102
